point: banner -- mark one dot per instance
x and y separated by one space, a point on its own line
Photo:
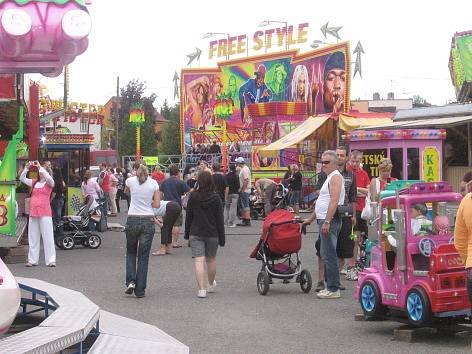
371 159
464 46
431 164
74 200
319 79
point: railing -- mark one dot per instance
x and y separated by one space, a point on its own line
184 160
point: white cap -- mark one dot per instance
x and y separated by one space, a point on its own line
239 160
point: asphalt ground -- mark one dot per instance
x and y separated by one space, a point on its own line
235 319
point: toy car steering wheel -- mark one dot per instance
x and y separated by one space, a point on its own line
426 246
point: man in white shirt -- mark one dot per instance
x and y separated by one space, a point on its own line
331 195
244 191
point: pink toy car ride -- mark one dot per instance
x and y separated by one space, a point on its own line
415 269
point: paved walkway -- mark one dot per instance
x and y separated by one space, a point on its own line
236 319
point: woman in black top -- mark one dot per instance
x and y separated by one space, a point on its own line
57 196
204 227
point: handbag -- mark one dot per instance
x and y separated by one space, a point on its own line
27 205
344 211
184 200
366 213
28 200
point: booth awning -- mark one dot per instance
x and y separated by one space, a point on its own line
308 127
350 122
445 122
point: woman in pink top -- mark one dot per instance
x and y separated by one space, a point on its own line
40 217
90 186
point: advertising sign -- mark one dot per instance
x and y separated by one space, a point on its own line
319 78
371 159
460 65
431 164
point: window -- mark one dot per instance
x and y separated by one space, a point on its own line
413 166
83 125
396 155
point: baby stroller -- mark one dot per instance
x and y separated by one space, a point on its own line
78 229
281 239
281 197
256 205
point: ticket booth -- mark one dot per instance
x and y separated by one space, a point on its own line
416 154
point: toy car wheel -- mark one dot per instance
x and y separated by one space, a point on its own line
263 281
305 281
94 241
67 242
418 308
254 215
370 300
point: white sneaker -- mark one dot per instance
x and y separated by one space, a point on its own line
329 295
202 293
211 288
323 291
343 271
232 225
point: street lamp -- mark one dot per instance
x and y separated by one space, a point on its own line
317 43
212 34
267 22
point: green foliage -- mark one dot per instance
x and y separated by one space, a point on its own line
133 94
170 134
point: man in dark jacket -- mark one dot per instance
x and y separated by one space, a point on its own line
231 205
221 186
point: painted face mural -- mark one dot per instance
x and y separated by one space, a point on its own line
318 78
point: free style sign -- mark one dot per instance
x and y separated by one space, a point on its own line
270 38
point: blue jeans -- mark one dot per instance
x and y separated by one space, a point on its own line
329 255
139 235
57 204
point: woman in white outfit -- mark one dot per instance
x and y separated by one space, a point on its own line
40 217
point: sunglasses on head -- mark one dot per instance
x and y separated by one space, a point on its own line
326 162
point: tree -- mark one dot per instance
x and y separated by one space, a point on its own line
419 101
170 134
133 93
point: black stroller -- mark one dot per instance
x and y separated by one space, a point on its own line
79 228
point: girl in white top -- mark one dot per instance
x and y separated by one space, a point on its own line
140 229
90 186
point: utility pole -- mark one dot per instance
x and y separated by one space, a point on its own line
116 112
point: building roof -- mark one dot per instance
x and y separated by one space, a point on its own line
455 110
158 118
442 122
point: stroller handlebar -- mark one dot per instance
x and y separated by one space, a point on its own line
294 221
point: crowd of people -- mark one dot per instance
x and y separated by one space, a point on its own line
342 188
212 200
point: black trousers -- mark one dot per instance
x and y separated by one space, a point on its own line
469 283
120 194
173 211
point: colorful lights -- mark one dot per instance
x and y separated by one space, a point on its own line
418 134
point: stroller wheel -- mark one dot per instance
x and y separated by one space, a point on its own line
305 281
66 242
94 241
263 281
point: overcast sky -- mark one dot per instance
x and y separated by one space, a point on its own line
406 43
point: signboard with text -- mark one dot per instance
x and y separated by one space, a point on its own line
371 159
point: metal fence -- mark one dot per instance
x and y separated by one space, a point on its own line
184 160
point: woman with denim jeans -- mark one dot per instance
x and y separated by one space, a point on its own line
57 196
140 229
231 203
